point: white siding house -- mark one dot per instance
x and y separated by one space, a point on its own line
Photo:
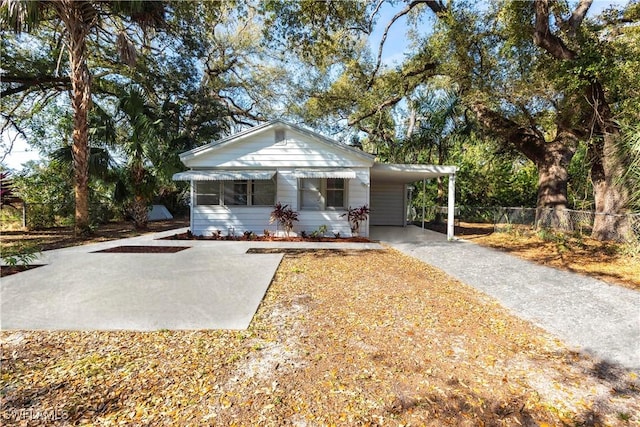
236 181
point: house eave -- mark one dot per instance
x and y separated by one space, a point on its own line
407 173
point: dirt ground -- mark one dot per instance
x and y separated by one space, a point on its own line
586 256
341 338
616 263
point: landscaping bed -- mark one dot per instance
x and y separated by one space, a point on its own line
139 249
8 270
266 238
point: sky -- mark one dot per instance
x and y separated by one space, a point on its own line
396 44
395 48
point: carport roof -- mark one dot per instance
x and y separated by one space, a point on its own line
405 174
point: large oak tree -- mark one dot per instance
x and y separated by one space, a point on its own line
535 74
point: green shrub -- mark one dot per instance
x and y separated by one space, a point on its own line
20 254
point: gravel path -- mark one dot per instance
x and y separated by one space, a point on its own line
588 314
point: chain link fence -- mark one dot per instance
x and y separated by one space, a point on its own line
508 218
47 215
565 220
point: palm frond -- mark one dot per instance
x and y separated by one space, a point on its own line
21 15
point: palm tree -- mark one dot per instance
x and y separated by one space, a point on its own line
142 144
435 126
78 19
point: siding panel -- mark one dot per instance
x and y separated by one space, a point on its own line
261 151
387 204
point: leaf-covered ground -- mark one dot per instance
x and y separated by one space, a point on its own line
62 237
616 263
341 338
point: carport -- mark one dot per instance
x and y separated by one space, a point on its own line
388 193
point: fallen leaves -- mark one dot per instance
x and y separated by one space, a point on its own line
607 261
341 338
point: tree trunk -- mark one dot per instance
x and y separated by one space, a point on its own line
610 196
551 159
139 207
81 101
553 177
607 167
140 212
78 18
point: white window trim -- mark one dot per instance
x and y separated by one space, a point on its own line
323 196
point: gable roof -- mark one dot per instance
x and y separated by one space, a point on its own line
277 123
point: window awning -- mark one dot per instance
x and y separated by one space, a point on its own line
325 173
224 175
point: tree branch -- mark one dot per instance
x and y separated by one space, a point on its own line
527 140
544 38
397 16
435 5
578 16
373 111
374 13
406 86
29 81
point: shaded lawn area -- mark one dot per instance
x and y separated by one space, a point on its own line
609 261
344 338
616 263
62 237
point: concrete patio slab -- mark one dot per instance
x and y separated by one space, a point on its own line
211 285
191 289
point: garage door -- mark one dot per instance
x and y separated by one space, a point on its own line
387 204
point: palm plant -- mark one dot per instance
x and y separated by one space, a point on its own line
142 149
632 148
79 18
285 216
355 216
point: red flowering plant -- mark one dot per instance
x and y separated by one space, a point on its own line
355 216
285 216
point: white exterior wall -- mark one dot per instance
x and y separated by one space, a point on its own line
206 220
260 151
357 195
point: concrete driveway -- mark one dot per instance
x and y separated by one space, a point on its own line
202 287
210 285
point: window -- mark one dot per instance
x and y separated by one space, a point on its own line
335 193
263 192
311 194
322 193
236 193
207 192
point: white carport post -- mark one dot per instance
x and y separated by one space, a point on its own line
424 192
451 200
